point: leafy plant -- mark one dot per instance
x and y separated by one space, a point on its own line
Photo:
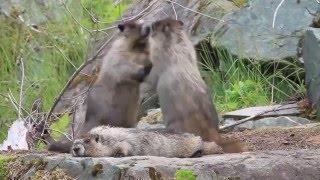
184 174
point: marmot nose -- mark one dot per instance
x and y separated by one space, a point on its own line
76 149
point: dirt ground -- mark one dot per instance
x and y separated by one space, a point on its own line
305 137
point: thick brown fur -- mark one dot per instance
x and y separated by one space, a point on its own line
184 97
118 142
113 99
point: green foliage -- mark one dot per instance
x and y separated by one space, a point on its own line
238 83
4 160
50 55
184 174
245 94
61 124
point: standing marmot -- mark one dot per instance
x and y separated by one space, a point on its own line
119 142
113 99
184 98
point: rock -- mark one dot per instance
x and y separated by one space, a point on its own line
154 116
294 164
33 13
17 137
279 110
249 32
311 56
281 121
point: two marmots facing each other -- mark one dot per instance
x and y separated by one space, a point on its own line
105 141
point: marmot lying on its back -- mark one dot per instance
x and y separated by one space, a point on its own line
118 142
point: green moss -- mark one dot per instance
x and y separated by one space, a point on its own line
4 160
184 174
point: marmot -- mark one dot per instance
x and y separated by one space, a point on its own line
119 142
113 99
183 95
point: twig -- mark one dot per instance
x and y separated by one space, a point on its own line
252 117
197 12
275 13
64 56
73 121
21 86
174 10
66 135
72 16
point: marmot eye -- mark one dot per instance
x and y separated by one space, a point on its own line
96 138
118 154
87 140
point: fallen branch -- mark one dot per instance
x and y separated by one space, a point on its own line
252 118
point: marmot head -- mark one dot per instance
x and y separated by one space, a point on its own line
166 31
134 30
93 145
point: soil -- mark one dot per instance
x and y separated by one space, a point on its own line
304 137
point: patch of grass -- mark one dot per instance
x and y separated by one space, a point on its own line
184 174
61 124
49 56
4 160
239 83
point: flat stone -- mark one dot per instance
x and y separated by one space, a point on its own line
281 110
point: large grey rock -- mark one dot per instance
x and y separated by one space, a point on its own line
249 33
290 165
311 56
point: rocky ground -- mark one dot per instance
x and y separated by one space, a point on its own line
271 153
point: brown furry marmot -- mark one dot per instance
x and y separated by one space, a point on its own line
119 142
184 97
113 99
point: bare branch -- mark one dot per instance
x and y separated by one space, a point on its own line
275 13
174 10
72 16
21 65
197 12
65 134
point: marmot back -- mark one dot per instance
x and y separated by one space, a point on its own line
118 142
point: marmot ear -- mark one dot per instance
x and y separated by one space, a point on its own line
180 23
121 27
145 31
